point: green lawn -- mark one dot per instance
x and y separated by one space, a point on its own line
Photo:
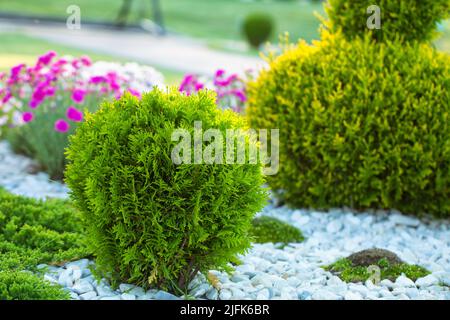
208 19
18 48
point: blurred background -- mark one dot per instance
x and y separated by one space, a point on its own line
175 36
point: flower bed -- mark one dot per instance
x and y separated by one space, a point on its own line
41 105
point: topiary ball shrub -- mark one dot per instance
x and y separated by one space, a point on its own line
362 125
257 28
403 20
149 221
15 285
268 229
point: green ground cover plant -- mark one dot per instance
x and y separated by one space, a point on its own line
17 285
349 272
34 232
268 229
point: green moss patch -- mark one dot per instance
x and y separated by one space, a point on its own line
15 285
349 272
268 229
33 232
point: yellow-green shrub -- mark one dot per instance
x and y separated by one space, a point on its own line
362 124
401 20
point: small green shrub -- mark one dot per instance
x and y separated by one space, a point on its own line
401 20
34 232
351 273
267 229
16 285
152 222
371 131
257 28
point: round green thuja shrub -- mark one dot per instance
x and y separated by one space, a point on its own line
362 124
150 221
257 28
403 20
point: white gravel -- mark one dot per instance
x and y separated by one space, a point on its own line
268 272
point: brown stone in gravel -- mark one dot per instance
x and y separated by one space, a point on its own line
369 257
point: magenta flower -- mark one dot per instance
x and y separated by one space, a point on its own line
46 58
37 97
97 79
240 94
7 97
188 79
226 82
190 84
50 91
220 73
134 93
16 70
60 62
78 95
15 73
27 116
199 86
61 126
73 114
76 63
86 61
114 85
33 104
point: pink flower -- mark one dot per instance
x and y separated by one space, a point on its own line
61 126
16 70
37 97
78 95
134 93
15 73
7 97
220 73
60 62
50 91
199 86
27 116
114 85
226 82
188 79
46 58
74 114
33 104
240 94
97 79
86 61
190 84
